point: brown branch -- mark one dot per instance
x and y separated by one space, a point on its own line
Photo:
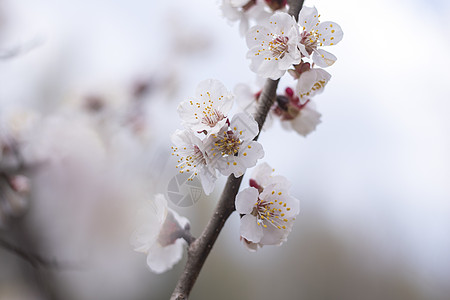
36 261
199 250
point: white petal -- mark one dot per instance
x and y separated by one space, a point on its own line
250 229
302 49
182 221
149 221
238 3
281 182
262 173
291 58
208 179
323 58
245 98
215 88
256 35
306 121
244 123
282 23
308 18
330 33
161 259
311 83
252 247
271 192
250 153
161 207
186 111
273 235
231 165
230 12
183 138
267 68
294 204
246 199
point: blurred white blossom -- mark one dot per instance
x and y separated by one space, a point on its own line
158 235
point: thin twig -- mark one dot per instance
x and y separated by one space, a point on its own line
199 250
35 260
20 50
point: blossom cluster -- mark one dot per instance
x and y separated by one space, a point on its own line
212 142
215 143
279 44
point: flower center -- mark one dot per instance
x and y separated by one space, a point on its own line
271 212
189 159
309 40
227 144
279 46
212 116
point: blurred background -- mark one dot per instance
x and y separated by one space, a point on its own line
88 94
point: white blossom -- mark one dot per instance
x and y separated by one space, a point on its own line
192 158
244 11
232 150
305 121
316 34
156 235
268 214
268 209
208 110
273 46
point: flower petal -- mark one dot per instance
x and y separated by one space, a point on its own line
250 229
311 83
307 120
323 58
308 18
208 179
245 126
250 153
330 33
161 259
256 35
245 200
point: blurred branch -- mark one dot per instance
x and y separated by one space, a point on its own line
199 250
20 50
36 261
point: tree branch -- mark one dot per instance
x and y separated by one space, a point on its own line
36 261
199 250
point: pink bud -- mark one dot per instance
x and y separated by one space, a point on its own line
20 183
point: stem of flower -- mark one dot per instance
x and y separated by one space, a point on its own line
199 250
